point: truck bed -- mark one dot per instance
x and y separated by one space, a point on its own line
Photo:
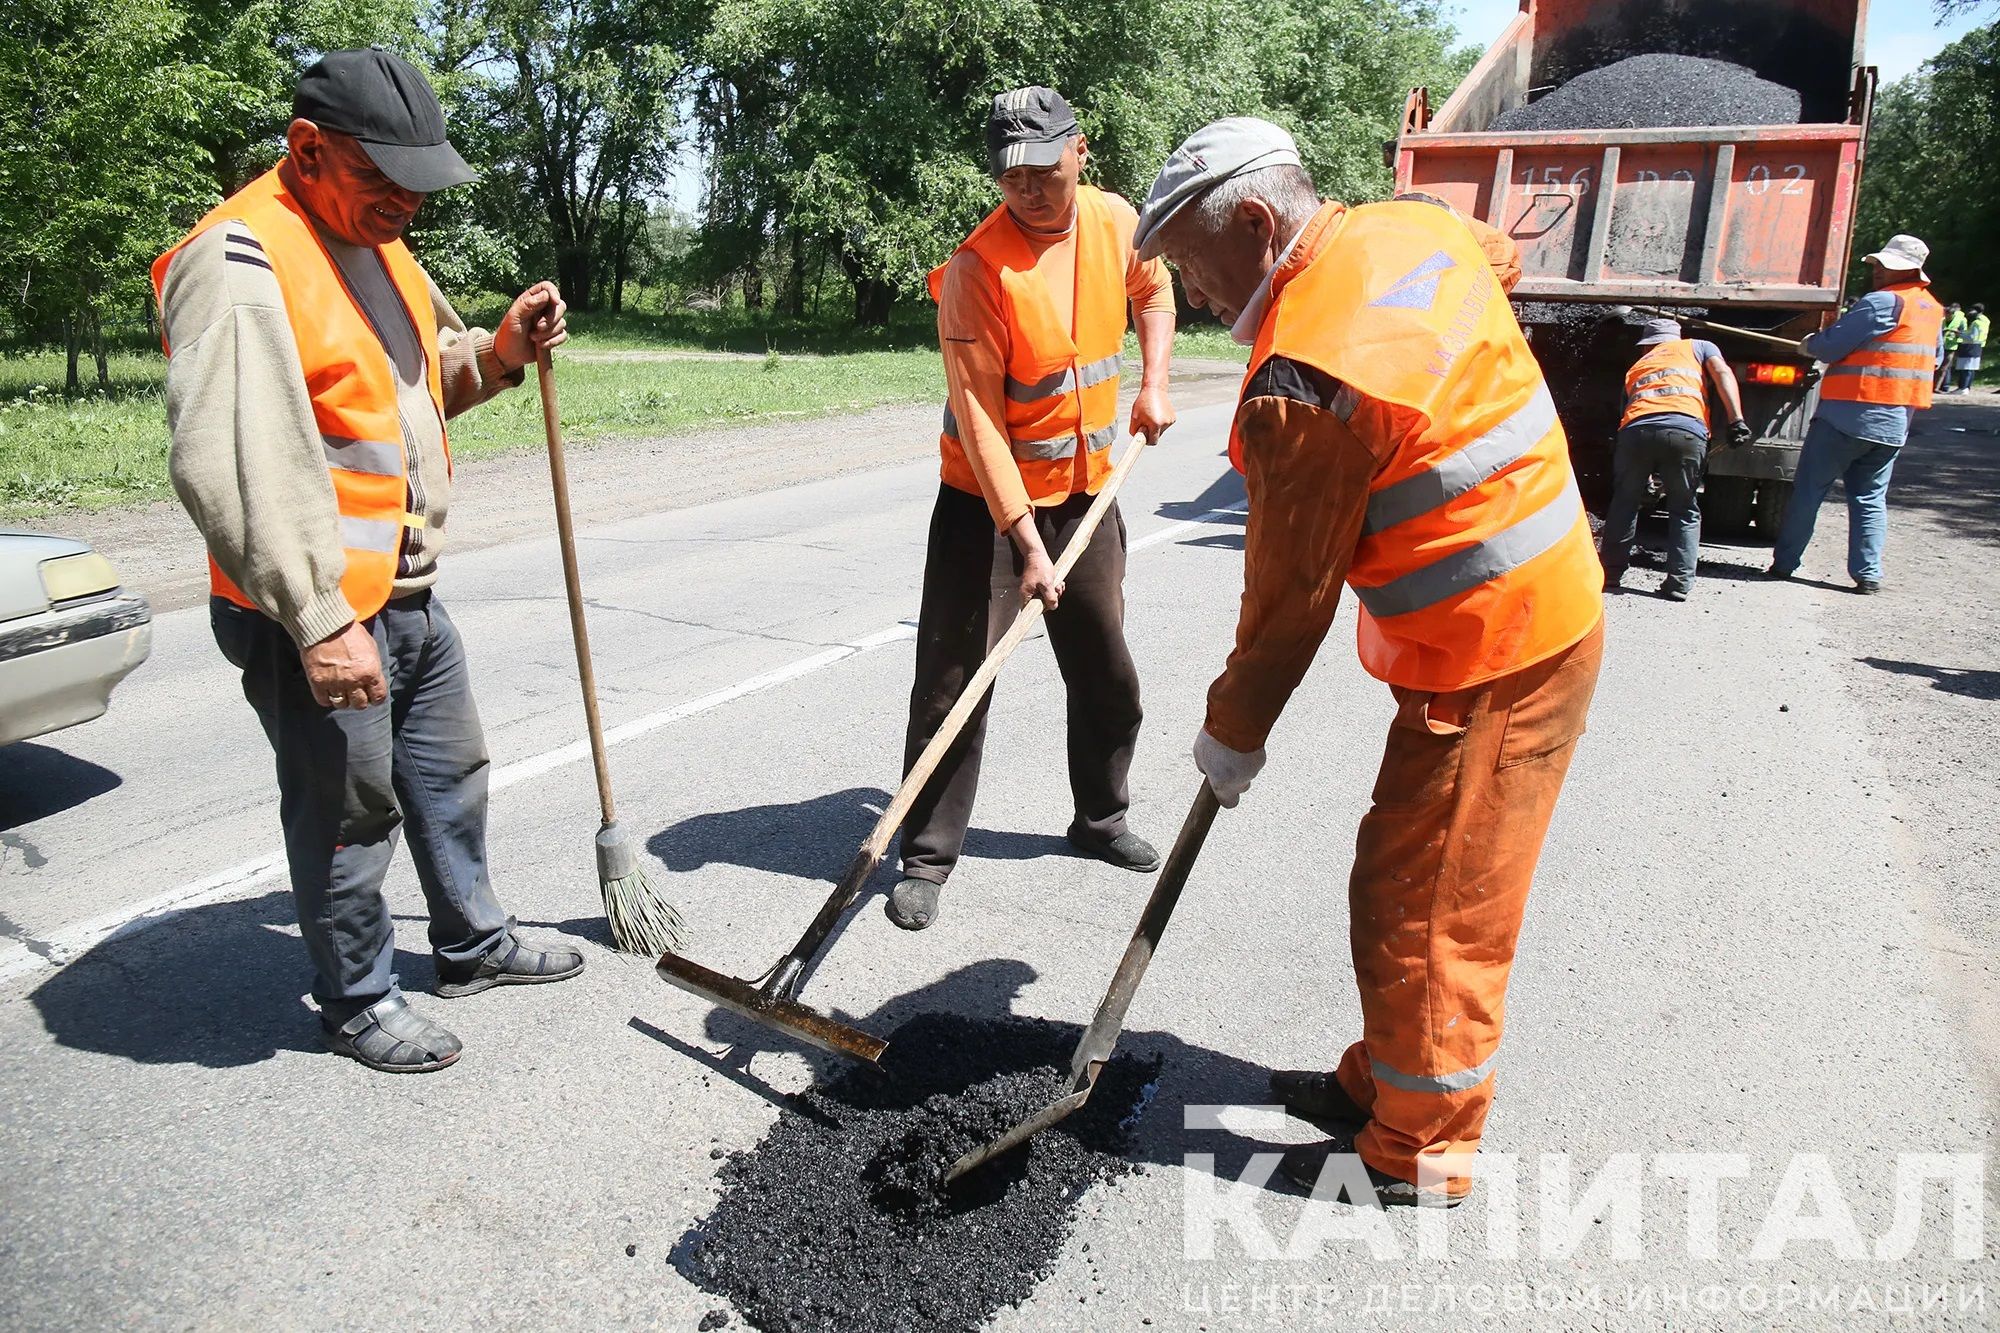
1717 215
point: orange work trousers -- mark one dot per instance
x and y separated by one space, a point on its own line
1442 866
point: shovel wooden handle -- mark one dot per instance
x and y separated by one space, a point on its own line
870 854
545 380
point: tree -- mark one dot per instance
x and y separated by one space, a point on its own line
584 95
96 113
1933 166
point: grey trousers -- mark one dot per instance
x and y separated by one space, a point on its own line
349 780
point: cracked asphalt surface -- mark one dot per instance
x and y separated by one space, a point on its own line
1765 926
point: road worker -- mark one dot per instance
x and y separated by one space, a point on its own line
1878 376
1664 432
1395 433
313 364
1971 348
1031 319
1948 340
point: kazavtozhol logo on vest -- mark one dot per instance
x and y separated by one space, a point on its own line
1417 289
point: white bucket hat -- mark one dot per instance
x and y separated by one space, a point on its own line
1902 253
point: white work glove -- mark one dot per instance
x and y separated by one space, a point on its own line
1229 772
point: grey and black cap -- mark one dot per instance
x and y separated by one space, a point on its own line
385 104
1205 159
1028 127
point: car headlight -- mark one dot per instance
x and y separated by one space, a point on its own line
69 577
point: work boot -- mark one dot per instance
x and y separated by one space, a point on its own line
1867 587
913 904
1127 851
1613 579
392 1037
511 964
1316 1096
1674 590
1302 1167
1775 573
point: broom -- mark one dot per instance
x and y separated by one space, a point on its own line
641 920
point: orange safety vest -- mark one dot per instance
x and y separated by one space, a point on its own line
348 374
1666 379
1062 381
1897 368
1475 558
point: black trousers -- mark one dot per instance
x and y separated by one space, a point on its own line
971 576
1676 456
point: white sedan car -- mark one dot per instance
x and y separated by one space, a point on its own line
68 633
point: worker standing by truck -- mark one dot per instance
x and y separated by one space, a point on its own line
1664 431
1971 347
1954 331
1031 320
1396 434
1878 376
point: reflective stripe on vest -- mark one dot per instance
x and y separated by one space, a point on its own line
347 372
1665 379
1897 368
1475 558
1061 379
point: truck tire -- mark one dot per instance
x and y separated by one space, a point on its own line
1727 505
1772 497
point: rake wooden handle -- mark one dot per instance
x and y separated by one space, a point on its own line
872 850
545 379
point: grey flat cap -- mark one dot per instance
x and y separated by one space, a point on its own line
1659 331
1209 156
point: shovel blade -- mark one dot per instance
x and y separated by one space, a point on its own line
1024 1131
774 1011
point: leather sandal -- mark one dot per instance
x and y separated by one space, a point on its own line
394 1038
512 964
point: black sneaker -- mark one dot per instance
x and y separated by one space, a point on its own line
1303 1165
1674 592
1867 587
913 904
1127 851
392 1037
512 964
1316 1096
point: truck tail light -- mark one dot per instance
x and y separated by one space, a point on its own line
1766 372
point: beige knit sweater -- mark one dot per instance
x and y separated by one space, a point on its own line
246 458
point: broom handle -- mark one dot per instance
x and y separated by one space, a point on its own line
871 852
545 378
1792 343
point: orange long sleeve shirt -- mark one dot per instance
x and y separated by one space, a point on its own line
973 334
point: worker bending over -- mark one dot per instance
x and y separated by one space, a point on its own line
1665 431
1031 319
1878 376
1395 432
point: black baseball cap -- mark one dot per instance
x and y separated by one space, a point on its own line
385 104
1028 127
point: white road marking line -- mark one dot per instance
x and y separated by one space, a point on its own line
72 942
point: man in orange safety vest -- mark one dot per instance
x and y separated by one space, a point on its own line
1395 434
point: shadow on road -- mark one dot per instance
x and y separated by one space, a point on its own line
219 987
41 781
1951 468
1225 492
1972 682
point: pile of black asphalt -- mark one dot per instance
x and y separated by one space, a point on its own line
1655 91
840 1220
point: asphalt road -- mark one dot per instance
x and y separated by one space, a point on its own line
1765 926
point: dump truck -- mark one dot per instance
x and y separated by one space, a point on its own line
1747 225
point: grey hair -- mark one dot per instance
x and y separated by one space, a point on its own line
1286 188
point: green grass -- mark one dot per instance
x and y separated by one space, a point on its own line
101 450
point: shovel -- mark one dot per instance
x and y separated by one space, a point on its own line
772 999
1094 1050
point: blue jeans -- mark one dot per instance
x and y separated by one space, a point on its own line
349 779
1831 455
1676 454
